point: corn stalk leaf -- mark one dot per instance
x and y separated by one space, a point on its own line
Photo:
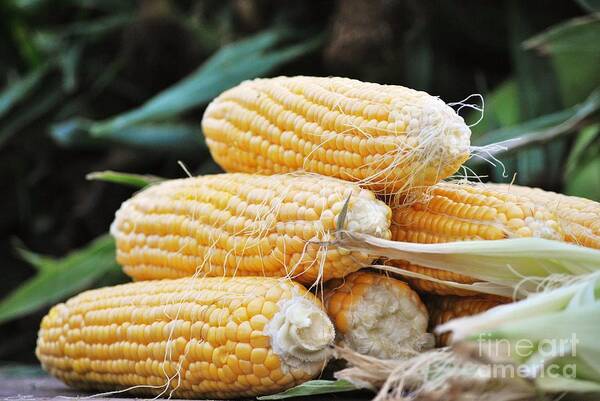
542 129
577 34
19 90
96 28
313 387
57 279
164 136
133 180
68 62
590 5
37 261
575 53
585 181
537 92
584 140
228 67
41 103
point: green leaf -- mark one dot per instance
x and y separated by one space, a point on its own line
313 387
584 140
84 5
96 28
41 104
577 74
134 180
73 132
585 181
241 49
63 277
534 75
231 65
575 55
163 136
577 34
23 38
501 109
536 85
78 33
542 129
39 262
590 5
68 62
18 90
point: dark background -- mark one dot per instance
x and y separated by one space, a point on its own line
67 68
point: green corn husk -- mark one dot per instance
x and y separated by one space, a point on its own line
561 325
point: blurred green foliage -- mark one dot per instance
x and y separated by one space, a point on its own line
98 85
59 278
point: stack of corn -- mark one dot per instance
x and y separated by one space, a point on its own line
220 308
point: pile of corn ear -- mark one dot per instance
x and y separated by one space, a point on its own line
338 231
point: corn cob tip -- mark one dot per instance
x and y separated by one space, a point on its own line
377 315
301 333
369 216
387 323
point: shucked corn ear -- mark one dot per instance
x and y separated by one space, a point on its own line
245 225
445 308
579 217
194 338
460 212
376 315
389 138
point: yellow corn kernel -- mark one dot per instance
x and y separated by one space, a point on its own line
161 316
376 315
460 212
445 308
578 217
245 225
388 137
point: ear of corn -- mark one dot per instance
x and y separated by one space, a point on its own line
245 225
389 138
193 338
376 315
445 308
454 212
578 217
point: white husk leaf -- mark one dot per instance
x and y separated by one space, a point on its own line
482 286
566 318
521 265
